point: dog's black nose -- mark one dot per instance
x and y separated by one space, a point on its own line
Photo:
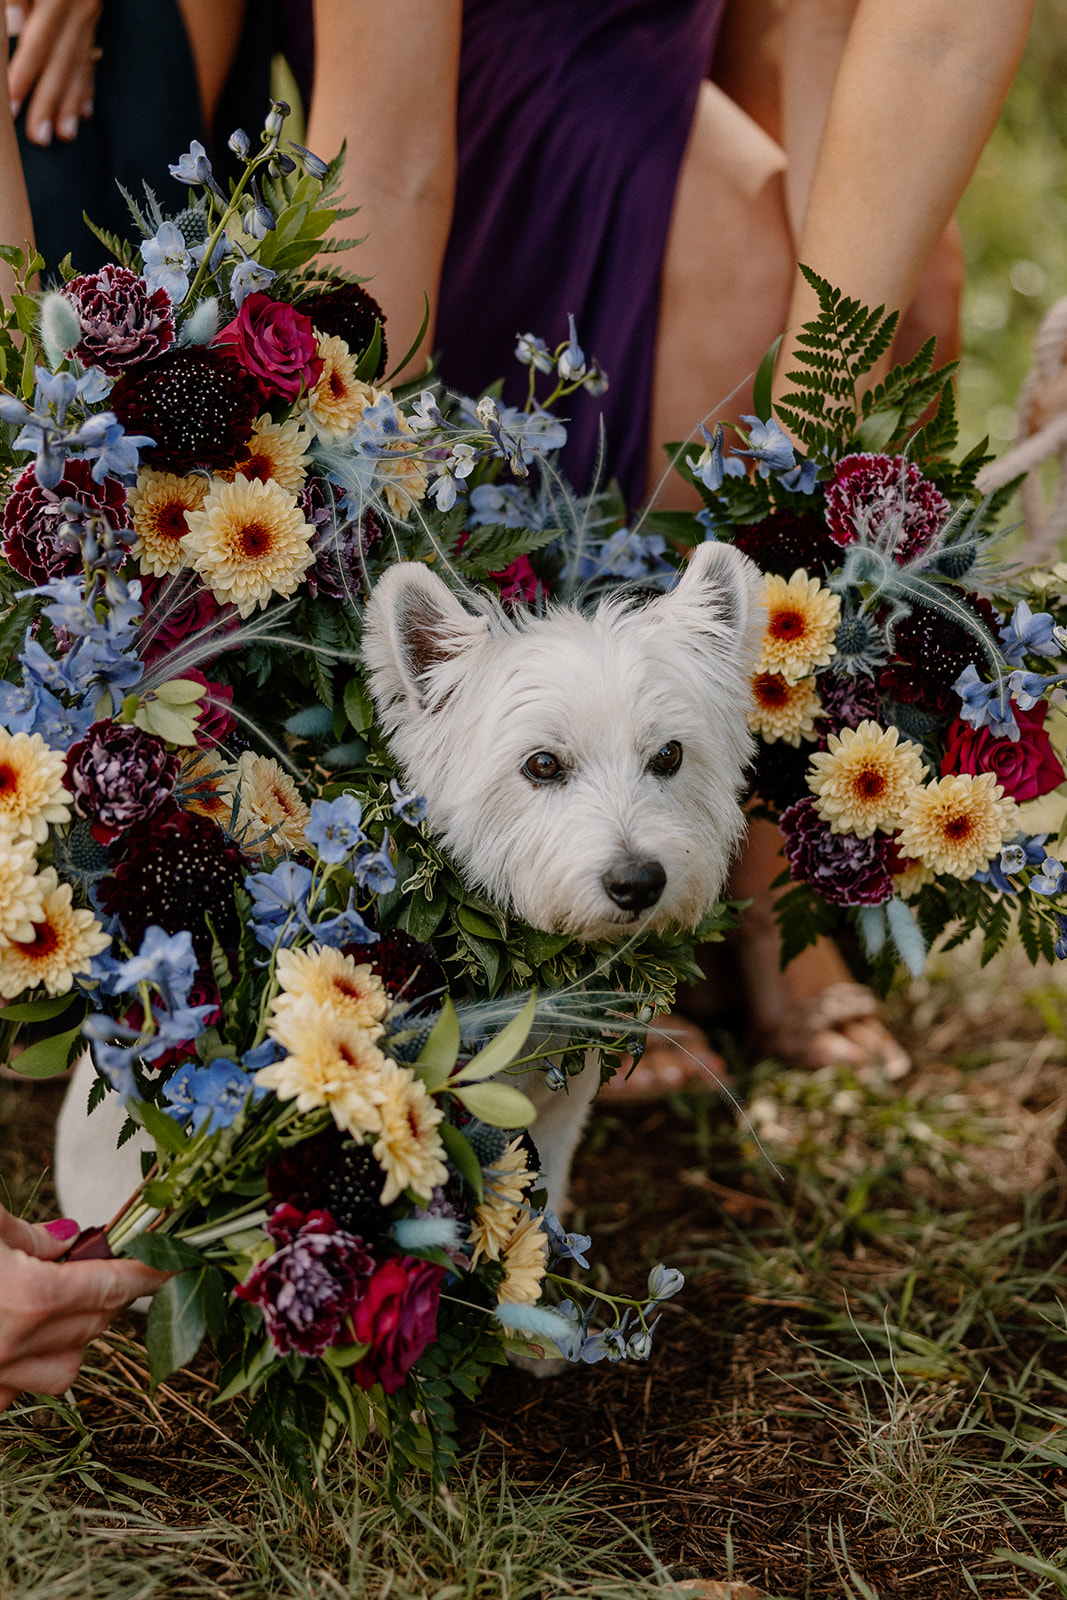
634 885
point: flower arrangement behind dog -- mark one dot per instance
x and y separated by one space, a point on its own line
224 888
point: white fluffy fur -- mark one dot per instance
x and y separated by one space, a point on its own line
466 697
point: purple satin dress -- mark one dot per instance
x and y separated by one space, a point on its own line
573 121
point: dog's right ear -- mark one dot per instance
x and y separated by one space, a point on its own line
718 597
415 637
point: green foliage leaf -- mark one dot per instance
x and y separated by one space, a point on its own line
438 1055
177 1323
498 1104
163 1252
37 1010
359 708
462 1157
48 1057
167 1133
502 1049
761 389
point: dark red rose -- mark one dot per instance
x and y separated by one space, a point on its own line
397 1317
276 344
33 519
118 776
122 320
178 608
886 498
309 1288
1025 768
518 584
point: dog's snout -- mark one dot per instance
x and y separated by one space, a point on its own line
634 885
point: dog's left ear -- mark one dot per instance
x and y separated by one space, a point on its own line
718 596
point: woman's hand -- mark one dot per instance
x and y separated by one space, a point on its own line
50 1311
52 65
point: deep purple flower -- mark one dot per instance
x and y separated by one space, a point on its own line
177 869
34 544
341 546
118 776
197 404
309 1288
885 497
122 320
846 701
786 540
930 651
843 869
348 312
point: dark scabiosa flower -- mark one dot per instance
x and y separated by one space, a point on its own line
34 544
409 970
177 870
846 701
197 403
843 869
787 540
778 773
122 320
888 501
118 776
930 651
331 1172
310 1287
348 312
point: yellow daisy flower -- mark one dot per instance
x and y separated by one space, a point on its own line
20 888
330 978
62 943
206 788
863 780
958 824
249 541
272 816
802 620
331 1062
504 1186
338 400
159 507
783 710
525 1261
276 452
408 1147
31 786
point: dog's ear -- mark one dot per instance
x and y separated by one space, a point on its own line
415 631
718 596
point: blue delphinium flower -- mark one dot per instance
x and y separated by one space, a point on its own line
169 262
1052 879
410 808
279 894
627 554
334 828
1028 688
373 869
609 1344
986 705
664 1283
249 278
769 447
1028 633
802 478
215 1093
1015 857
347 927
712 465
506 504
534 352
565 1246
166 960
571 363
639 1347
1059 948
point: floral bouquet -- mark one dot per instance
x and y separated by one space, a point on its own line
208 869
908 697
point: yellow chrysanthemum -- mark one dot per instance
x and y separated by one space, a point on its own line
330 978
958 824
863 780
159 507
206 787
331 1061
20 888
802 620
408 1147
783 710
249 541
504 1186
276 452
62 943
31 786
400 472
525 1261
272 816
911 880
338 400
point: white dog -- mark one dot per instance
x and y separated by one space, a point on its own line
582 769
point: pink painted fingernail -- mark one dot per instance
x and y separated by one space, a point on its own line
62 1228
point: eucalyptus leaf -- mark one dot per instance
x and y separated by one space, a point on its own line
177 1323
48 1057
438 1055
501 1050
498 1104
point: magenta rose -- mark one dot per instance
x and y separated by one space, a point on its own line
276 344
1024 768
518 583
176 609
397 1317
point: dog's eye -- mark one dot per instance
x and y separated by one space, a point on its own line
543 767
667 759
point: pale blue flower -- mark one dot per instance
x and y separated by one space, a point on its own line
347 927
116 1065
664 1283
1052 879
640 1345
166 960
279 894
801 480
410 808
249 278
505 505
986 705
1029 688
565 1246
334 828
712 466
572 359
168 261
312 163
1059 948
193 167
1028 633
533 352
374 870
425 413
768 446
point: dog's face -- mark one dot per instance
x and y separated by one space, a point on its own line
582 770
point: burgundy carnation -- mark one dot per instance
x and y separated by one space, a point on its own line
786 540
33 519
118 776
276 344
409 970
847 700
881 496
309 1288
397 1317
175 609
1025 768
930 651
122 320
843 869
348 312
178 869
199 405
